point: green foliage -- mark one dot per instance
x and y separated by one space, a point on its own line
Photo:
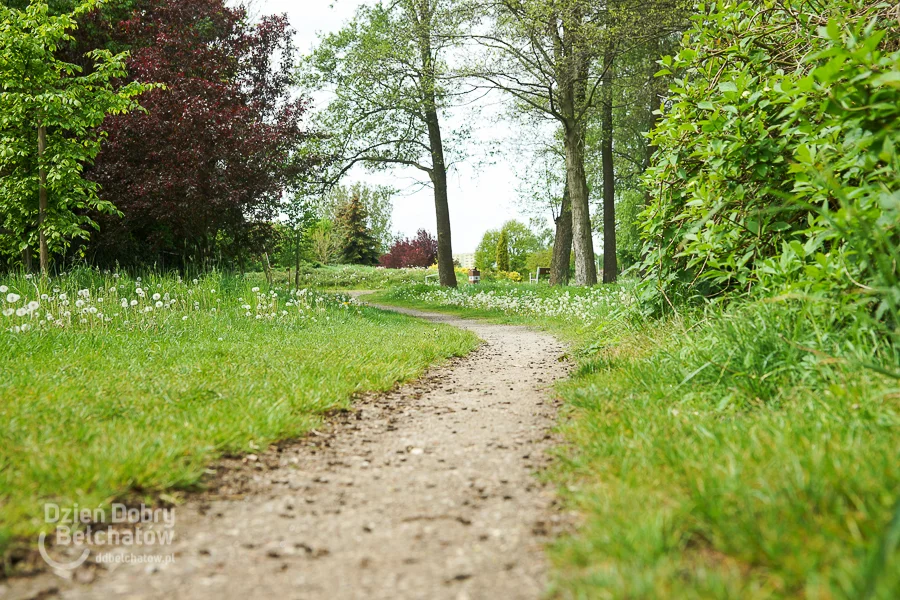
503 251
777 164
521 241
358 246
158 396
353 277
40 90
377 201
541 258
734 453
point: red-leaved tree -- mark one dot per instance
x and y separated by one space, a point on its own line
420 251
196 174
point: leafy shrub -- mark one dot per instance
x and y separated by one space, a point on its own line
777 163
420 251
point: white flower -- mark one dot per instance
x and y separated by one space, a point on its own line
139 292
79 303
254 290
221 339
134 302
159 304
21 312
196 281
3 289
63 296
44 297
12 298
184 318
33 305
93 310
156 297
8 312
213 291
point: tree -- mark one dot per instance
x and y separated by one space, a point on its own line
543 188
358 245
215 154
325 243
521 242
420 251
388 72
377 200
503 251
50 111
553 56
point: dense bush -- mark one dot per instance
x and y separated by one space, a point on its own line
420 251
777 163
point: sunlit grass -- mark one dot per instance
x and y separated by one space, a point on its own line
747 453
141 403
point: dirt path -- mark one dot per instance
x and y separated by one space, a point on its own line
428 492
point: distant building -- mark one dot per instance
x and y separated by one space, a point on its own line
466 261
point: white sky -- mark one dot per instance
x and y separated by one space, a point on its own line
481 197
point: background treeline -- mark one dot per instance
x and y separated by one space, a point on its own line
198 176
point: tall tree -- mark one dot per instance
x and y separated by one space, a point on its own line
358 245
50 111
502 251
388 73
553 56
543 189
211 160
377 200
610 264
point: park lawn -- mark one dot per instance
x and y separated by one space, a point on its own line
141 404
739 453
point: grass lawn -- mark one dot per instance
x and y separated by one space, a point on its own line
740 453
110 391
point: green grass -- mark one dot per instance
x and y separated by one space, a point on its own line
100 410
345 277
740 453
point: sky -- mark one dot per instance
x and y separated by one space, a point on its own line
483 195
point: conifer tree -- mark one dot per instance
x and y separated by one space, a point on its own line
358 245
503 251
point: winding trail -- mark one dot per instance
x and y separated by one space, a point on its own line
427 492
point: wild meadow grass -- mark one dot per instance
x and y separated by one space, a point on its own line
748 452
112 387
346 277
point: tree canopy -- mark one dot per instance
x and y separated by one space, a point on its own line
50 111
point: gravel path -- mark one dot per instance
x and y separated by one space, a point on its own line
427 492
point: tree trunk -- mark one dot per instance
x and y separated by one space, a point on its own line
297 260
446 272
42 202
610 262
585 267
562 243
423 17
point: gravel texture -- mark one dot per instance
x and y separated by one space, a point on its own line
427 492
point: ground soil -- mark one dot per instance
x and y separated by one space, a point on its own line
431 491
